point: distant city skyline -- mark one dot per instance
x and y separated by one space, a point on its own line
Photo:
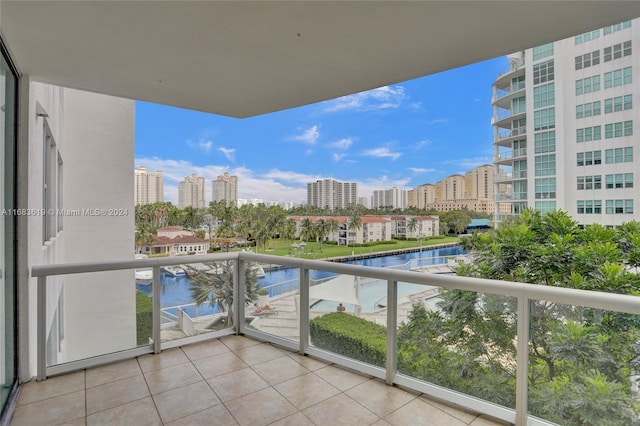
402 135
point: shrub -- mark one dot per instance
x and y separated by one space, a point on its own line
144 318
350 336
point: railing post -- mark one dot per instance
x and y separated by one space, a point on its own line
303 309
392 326
42 329
156 315
522 362
239 295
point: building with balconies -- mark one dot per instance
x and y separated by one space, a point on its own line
564 128
205 56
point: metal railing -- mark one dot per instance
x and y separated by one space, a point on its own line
523 293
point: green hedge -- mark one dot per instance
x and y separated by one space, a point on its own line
371 243
144 318
350 336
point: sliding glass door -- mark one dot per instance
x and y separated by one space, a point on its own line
8 213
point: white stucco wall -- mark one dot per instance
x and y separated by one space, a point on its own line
46 100
98 175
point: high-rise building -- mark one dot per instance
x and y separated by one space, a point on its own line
148 186
225 187
478 183
394 198
564 119
332 194
191 192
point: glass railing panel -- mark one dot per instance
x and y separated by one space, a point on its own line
584 365
348 316
278 305
195 298
80 325
461 340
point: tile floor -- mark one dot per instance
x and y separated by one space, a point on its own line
231 381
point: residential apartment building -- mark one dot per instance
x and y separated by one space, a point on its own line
191 192
394 198
415 226
471 191
375 228
148 186
331 194
479 183
225 187
566 127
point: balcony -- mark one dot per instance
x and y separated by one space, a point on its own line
232 380
504 135
263 377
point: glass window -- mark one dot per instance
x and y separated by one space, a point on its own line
544 119
543 51
545 206
545 142
619 155
545 188
544 95
545 165
543 72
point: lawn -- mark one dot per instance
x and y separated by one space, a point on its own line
313 250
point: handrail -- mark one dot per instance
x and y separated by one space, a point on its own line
523 292
587 298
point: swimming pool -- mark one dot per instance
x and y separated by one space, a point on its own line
176 291
370 294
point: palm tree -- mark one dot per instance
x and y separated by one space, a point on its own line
412 225
333 226
321 230
306 229
218 288
261 233
355 223
193 218
289 229
144 235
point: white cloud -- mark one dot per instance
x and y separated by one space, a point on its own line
338 157
421 170
367 186
202 145
230 153
343 143
382 98
439 121
469 163
272 186
381 152
309 136
422 143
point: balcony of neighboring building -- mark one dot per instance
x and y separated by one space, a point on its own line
506 157
503 118
503 84
505 137
503 97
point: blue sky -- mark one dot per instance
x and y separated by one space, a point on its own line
402 135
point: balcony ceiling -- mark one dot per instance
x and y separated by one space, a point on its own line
247 58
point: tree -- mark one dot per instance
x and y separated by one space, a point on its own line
412 225
354 223
581 360
456 221
193 218
217 288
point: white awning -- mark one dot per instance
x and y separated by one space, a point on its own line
339 289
